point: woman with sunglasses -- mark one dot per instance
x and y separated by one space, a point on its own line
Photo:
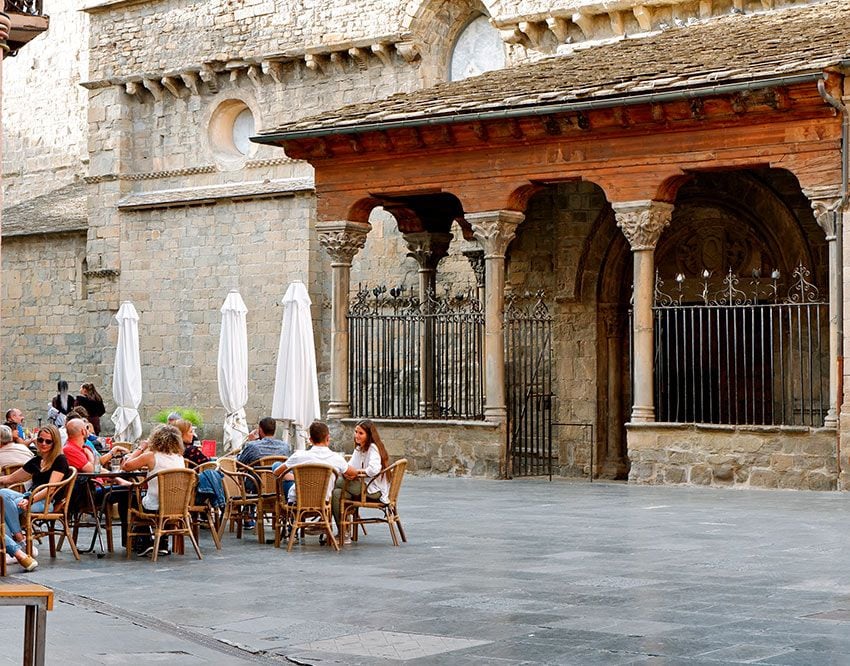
50 466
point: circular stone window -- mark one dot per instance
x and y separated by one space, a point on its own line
478 49
230 131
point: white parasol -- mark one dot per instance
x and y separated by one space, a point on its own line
127 376
296 386
233 370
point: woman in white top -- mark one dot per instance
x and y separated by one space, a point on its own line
164 450
369 457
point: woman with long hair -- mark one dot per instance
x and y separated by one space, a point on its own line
50 466
63 402
90 400
369 458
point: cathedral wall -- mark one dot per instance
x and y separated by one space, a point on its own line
44 109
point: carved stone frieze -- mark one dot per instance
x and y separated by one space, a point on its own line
475 256
427 248
343 240
643 222
495 230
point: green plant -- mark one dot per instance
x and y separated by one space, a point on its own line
191 415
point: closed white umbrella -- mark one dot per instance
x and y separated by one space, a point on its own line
127 376
296 386
233 370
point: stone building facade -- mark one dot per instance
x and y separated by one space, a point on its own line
130 177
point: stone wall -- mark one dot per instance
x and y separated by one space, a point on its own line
749 457
460 448
44 109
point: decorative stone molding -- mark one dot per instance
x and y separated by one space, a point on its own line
342 240
111 273
643 222
825 202
102 178
428 249
495 230
274 161
194 196
475 256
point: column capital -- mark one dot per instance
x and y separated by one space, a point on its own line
495 230
342 240
427 248
826 202
474 254
643 221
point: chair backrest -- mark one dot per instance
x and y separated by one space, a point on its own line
64 488
395 473
203 467
311 484
235 485
176 490
268 461
268 481
10 469
227 464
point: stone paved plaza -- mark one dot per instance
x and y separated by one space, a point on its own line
518 572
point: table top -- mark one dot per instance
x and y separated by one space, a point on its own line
108 474
25 591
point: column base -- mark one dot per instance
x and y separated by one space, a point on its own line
614 469
495 414
642 414
831 419
338 410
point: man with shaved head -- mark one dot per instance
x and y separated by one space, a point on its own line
75 447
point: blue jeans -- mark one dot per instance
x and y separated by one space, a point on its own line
287 485
10 500
12 546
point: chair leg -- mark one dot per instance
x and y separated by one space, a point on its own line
329 530
400 528
71 541
194 540
223 519
108 519
213 530
51 535
157 536
261 523
295 523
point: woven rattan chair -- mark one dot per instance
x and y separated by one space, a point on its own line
349 509
204 514
176 492
38 524
268 461
312 510
227 464
269 504
241 503
10 469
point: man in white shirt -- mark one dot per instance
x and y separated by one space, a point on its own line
12 453
319 453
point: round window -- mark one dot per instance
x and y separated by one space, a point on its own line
230 130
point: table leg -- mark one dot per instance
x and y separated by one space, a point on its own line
29 635
40 634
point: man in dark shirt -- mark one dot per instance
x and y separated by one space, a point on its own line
15 421
261 443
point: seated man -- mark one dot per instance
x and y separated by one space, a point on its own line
261 443
320 453
15 421
12 453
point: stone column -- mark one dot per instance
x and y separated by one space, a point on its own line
428 249
642 223
475 256
826 214
342 241
614 464
494 230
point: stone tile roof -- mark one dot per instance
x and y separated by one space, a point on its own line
730 49
62 210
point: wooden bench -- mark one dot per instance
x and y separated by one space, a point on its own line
38 600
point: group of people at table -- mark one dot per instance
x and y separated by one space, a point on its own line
76 445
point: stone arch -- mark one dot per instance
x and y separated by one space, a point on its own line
436 24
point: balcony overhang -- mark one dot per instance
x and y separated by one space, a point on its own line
26 26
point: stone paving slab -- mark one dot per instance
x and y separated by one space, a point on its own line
573 574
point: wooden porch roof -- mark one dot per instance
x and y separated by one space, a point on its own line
698 59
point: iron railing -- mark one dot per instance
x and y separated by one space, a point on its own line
741 357
32 7
412 359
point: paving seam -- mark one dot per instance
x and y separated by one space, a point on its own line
150 622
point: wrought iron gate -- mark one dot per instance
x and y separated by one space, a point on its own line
528 369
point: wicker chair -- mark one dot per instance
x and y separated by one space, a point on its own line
312 502
268 461
176 492
241 504
10 469
349 509
38 524
204 514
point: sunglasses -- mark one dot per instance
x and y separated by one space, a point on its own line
42 440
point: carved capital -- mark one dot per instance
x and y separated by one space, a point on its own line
643 221
475 255
614 322
427 248
494 230
826 202
342 240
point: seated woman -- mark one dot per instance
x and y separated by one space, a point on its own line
369 457
164 450
191 451
50 466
